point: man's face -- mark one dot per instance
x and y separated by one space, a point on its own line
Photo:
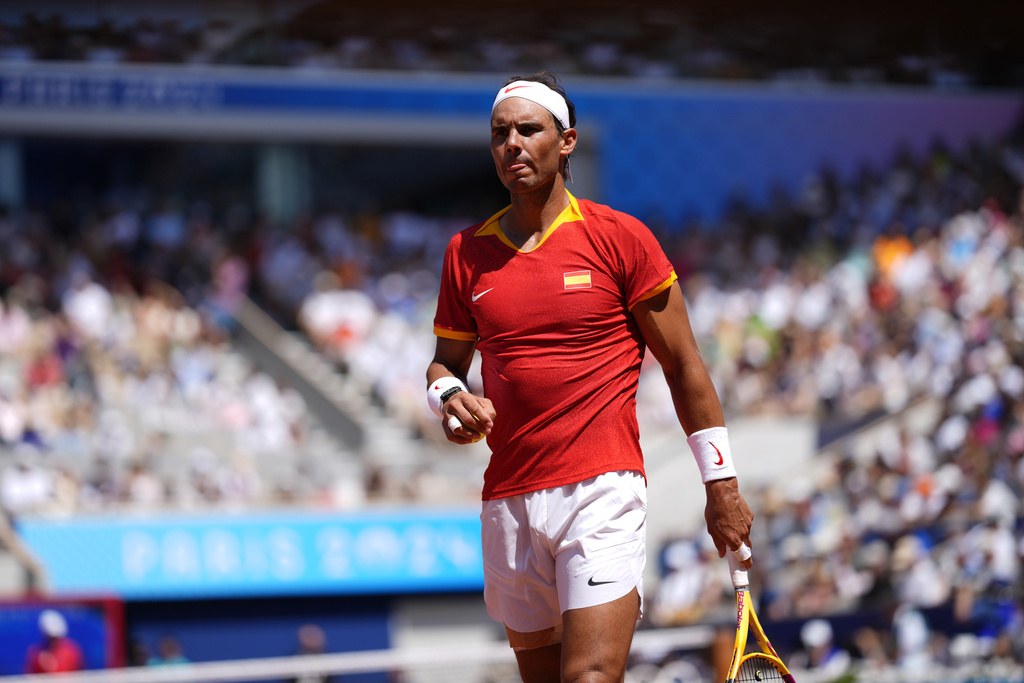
526 146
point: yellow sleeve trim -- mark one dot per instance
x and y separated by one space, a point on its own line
455 334
657 290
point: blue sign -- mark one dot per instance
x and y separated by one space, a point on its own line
104 91
665 151
171 89
281 554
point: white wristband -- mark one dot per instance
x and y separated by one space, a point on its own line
438 388
711 449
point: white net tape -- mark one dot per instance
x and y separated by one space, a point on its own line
495 663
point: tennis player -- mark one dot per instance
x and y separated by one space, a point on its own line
562 297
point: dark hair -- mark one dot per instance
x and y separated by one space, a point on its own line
551 81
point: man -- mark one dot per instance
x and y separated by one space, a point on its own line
561 297
57 653
312 641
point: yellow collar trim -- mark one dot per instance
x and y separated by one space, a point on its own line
570 214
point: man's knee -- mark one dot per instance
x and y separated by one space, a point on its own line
601 670
532 640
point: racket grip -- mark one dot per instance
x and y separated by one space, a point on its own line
738 573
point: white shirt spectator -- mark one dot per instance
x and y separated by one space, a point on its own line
15 328
25 488
89 306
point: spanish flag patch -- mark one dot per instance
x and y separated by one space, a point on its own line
577 279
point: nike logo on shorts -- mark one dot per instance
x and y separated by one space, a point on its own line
591 582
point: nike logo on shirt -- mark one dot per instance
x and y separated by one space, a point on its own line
477 296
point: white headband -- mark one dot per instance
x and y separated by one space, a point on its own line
539 93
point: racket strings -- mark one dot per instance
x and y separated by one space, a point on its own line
756 668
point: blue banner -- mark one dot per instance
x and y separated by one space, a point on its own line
281 554
153 90
664 151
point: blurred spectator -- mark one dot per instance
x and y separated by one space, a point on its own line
88 306
912 641
691 586
311 641
57 652
610 40
25 486
337 320
168 653
820 653
138 652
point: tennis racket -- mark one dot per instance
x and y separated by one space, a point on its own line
755 666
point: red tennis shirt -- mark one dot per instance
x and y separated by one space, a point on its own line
560 349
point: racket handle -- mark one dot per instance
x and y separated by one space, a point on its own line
739 574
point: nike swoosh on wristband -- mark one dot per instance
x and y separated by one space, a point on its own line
721 460
591 582
477 296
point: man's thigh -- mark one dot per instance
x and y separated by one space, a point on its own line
562 549
595 645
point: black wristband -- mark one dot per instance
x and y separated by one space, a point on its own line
448 394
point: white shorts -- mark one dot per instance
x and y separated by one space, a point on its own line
564 548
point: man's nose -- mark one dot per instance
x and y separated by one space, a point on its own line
513 141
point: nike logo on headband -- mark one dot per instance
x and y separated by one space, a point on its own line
510 89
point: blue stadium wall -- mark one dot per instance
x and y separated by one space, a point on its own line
240 586
667 150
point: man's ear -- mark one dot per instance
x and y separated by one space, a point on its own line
568 141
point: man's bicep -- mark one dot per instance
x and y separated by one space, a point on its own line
666 329
665 326
455 355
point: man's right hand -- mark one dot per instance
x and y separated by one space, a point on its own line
475 413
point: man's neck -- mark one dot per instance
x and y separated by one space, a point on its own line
533 213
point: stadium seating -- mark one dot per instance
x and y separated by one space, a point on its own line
887 307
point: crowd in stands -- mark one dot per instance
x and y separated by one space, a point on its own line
655 40
901 286
919 520
136 40
117 396
855 297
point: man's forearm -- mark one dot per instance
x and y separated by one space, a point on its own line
695 399
437 370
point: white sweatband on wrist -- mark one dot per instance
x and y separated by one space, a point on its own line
711 450
439 388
